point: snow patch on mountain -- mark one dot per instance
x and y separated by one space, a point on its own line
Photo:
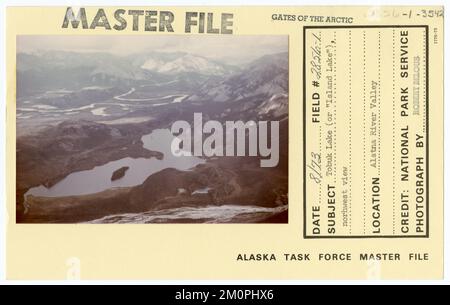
184 64
277 105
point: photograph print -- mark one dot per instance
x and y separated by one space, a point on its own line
152 129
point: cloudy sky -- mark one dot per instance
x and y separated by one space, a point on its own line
233 49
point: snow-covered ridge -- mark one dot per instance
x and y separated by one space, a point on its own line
185 63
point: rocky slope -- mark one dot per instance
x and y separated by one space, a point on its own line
263 78
50 155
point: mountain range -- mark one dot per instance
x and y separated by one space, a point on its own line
213 80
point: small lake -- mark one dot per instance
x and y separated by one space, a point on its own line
99 178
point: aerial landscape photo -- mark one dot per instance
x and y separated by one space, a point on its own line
152 129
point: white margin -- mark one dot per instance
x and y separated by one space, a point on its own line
147 3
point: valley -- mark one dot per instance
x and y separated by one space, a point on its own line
109 113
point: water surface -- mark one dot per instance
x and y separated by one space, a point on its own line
99 178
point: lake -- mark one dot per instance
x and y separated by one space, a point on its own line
99 178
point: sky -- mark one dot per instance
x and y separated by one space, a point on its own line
231 49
